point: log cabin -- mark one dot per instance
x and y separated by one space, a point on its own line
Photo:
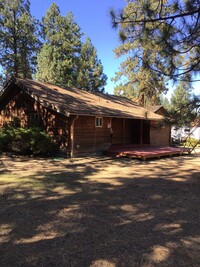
81 122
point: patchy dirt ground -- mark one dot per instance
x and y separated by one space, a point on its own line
100 212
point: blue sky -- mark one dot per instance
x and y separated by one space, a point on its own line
94 20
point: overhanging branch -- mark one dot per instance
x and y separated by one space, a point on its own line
150 20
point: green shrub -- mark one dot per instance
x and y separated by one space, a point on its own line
6 137
26 140
190 142
40 142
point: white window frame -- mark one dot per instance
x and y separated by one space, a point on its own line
98 122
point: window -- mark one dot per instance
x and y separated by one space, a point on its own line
99 122
35 119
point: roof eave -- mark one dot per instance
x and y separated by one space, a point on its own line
112 116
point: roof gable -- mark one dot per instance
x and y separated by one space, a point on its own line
159 110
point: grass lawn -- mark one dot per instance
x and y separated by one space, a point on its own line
100 212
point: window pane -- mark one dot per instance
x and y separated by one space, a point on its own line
99 122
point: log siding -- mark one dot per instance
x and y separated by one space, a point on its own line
23 107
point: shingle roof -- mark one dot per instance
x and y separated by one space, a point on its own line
154 108
72 101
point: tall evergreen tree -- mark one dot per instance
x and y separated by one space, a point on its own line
141 54
90 70
183 104
63 59
18 38
58 59
172 26
1 82
165 102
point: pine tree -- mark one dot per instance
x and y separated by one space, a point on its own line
90 70
182 105
1 82
58 58
19 40
172 27
165 102
141 55
63 59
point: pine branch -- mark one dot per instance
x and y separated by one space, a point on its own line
150 20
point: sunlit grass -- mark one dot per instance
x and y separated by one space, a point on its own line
18 181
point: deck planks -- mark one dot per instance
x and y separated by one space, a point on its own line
145 152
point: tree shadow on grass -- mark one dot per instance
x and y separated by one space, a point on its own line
67 218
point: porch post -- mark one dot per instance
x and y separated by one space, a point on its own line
72 136
141 129
123 132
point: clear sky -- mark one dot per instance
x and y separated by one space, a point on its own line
93 18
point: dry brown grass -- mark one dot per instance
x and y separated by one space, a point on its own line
100 212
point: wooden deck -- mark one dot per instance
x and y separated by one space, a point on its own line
144 152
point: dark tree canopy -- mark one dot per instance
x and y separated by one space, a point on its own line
160 42
52 48
171 27
57 60
64 59
18 38
183 107
90 70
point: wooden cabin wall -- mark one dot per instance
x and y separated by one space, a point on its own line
15 108
23 107
88 138
159 135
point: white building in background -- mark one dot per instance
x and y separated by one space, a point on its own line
195 132
180 134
